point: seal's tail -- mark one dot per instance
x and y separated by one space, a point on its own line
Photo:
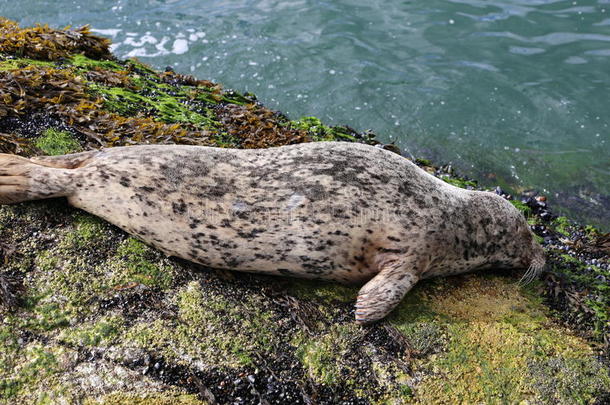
23 179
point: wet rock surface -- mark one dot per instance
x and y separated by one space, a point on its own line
90 315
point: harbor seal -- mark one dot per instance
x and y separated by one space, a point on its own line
345 212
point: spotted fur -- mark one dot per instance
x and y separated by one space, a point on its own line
345 212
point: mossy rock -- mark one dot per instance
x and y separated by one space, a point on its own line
100 318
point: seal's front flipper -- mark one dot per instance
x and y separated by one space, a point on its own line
383 292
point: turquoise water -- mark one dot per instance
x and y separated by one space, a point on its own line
515 93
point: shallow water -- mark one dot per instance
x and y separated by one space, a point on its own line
515 93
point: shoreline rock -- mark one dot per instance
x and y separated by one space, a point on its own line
89 314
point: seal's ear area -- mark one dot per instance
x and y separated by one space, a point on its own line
383 292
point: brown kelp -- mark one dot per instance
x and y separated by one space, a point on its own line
44 43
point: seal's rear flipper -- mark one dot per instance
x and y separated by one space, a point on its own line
22 179
383 292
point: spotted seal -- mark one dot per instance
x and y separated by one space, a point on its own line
345 212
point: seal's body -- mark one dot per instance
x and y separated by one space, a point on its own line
345 212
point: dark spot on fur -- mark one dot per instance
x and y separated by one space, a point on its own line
179 208
146 189
384 250
250 235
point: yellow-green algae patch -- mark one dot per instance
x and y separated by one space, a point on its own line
84 62
24 369
500 345
54 142
321 356
320 132
9 349
136 262
67 284
40 372
101 332
209 330
162 107
340 357
64 273
88 230
161 398
326 292
64 280
16 63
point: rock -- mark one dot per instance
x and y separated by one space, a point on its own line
99 317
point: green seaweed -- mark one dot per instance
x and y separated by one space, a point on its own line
85 63
101 332
321 356
423 162
161 106
459 182
209 329
136 262
523 208
562 225
17 63
53 142
320 132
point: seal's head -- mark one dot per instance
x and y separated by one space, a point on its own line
503 236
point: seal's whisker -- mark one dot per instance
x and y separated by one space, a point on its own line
534 269
529 275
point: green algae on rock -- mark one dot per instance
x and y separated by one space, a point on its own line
54 142
99 317
499 342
